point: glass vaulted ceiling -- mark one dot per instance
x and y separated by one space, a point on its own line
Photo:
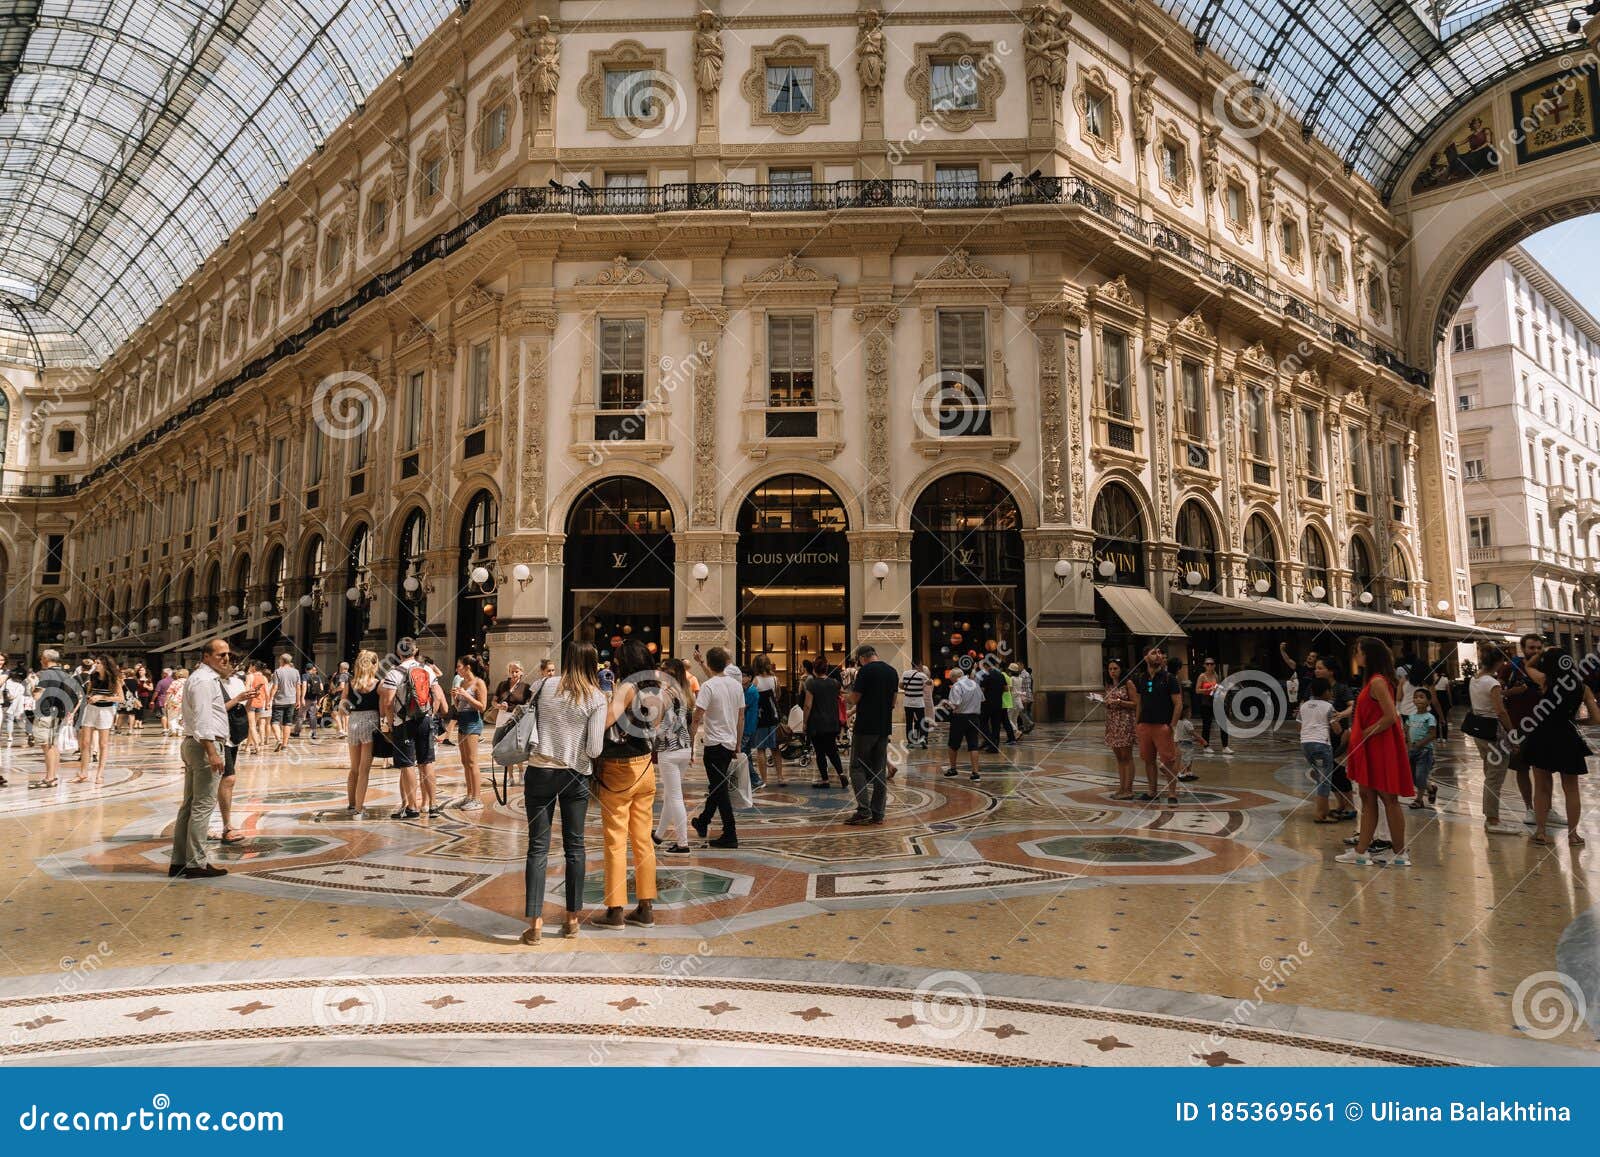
1372 79
135 135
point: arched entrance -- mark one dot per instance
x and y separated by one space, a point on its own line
794 566
49 626
1361 572
475 579
1314 577
617 566
1119 560
313 565
1261 559
966 573
275 603
357 591
1197 547
1401 597
411 601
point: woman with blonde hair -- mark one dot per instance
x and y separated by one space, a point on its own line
358 700
625 778
571 728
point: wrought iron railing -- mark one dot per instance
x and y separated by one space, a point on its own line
829 196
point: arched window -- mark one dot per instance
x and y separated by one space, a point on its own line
1314 558
1399 580
1489 597
1360 568
1119 536
1197 547
411 606
1261 562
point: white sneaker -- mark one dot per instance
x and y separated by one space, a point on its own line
472 805
1502 828
1360 859
1227 751
1400 861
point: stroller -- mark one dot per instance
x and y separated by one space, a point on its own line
793 745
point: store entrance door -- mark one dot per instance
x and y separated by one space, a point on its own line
789 642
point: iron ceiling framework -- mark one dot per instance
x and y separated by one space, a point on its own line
136 135
1373 79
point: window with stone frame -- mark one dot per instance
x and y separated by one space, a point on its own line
492 135
955 81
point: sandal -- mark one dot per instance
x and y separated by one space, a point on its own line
237 839
531 935
1327 819
1574 840
1541 839
1144 797
1122 795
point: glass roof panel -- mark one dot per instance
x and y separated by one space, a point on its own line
137 134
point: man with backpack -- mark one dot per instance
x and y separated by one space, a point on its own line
310 710
409 698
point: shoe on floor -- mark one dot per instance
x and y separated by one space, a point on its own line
858 821
174 871
1188 777
973 776
1359 859
1502 828
207 872
1400 861
472 805
723 842
676 849
609 918
952 773
700 826
642 916
1377 846
1227 751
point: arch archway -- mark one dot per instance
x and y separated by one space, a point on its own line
275 590
617 564
1119 536
1261 558
1315 575
49 626
475 598
966 572
410 600
313 565
1358 557
793 573
357 591
1197 546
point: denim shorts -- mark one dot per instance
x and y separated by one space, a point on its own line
1319 756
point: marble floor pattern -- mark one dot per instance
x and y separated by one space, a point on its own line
1026 918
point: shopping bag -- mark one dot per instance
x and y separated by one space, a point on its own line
67 738
743 796
515 737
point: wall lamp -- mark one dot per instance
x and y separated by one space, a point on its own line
1574 23
1106 569
700 572
880 571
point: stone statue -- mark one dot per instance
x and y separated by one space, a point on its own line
546 62
1211 156
1267 181
708 52
1044 43
455 117
869 51
1144 105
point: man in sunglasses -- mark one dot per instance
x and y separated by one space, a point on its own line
1159 695
205 732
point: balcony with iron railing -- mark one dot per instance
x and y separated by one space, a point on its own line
836 197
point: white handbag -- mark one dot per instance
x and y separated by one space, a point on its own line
67 738
743 796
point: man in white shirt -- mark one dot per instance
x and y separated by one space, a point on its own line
408 720
719 718
965 705
205 731
1022 692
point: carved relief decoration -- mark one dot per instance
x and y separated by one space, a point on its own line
1092 85
645 109
961 109
878 320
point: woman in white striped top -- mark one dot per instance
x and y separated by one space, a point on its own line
571 732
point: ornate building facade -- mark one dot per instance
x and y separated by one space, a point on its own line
979 329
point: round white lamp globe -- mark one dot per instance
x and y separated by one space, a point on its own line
480 575
1194 578
880 570
411 584
1107 568
521 572
1262 586
700 572
1319 592
1062 568
351 594
1366 597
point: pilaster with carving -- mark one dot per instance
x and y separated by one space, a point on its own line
532 325
1160 358
705 324
877 321
1053 324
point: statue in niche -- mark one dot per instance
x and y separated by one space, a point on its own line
869 51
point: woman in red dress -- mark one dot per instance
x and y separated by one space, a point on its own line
1377 759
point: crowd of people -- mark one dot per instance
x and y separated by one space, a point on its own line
623 732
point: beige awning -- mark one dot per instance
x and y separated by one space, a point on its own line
195 641
1140 611
1222 612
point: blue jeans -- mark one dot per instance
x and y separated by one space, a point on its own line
1421 769
1319 757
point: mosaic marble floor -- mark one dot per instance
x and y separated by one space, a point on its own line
1023 919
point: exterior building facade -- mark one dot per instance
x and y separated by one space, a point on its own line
960 332
1525 358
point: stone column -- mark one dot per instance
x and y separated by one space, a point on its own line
882 608
526 613
705 324
704 611
1064 636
